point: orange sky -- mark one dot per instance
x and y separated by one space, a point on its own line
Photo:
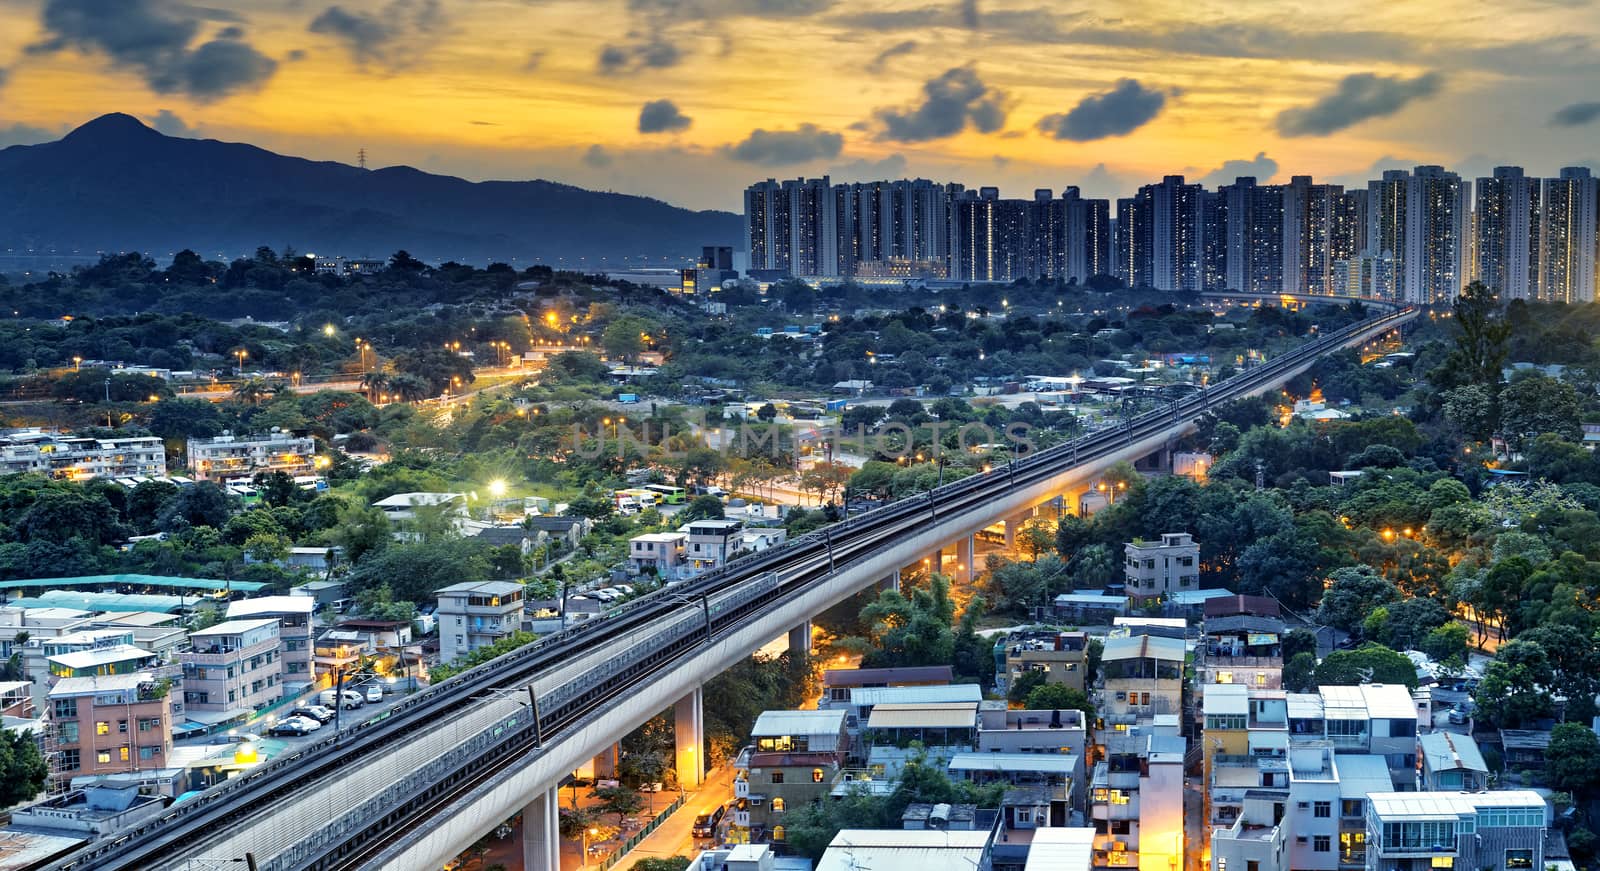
1019 94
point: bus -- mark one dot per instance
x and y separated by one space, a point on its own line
668 493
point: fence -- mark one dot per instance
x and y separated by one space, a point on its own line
640 835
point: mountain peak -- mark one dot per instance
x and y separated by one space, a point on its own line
115 125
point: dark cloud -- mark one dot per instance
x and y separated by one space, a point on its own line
1575 115
393 37
295 54
153 37
1117 112
950 102
662 116
25 134
4 74
653 53
168 123
877 64
597 157
483 123
232 31
534 61
1359 97
1261 167
778 147
969 14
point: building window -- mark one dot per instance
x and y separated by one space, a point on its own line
123 753
66 708
122 726
102 728
146 753
1321 843
777 805
816 775
103 757
777 777
1519 858
69 760
777 833
1322 810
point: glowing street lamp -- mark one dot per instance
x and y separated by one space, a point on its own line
327 330
77 363
497 488
241 354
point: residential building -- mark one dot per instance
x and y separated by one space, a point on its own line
77 458
1376 719
476 614
710 543
837 683
295 627
758 540
1154 570
1257 840
1246 746
1176 234
407 510
1506 235
855 849
90 661
109 723
1254 226
1567 236
1316 227
794 760
942 729
1438 212
228 457
1006 731
1450 763
1141 678
566 532
1241 642
1136 798
1486 831
1059 775
660 553
1062 657
858 711
232 670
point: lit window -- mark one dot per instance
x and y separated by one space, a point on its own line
777 805
104 756
102 728
816 775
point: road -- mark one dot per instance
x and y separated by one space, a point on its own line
674 838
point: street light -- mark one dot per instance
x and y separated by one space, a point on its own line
497 488
77 363
327 330
241 354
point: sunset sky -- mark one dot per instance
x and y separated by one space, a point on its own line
690 100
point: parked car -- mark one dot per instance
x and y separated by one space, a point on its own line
295 726
1459 717
235 738
374 693
350 699
315 712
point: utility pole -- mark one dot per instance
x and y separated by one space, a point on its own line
361 158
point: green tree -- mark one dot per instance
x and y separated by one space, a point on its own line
22 768
1054 696
1447 643
1352 594
1573 759
1481 340
662 863
1369 663
1299 673
618 800
1533 405
1514 690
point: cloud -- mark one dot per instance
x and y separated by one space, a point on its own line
1261 167
295 54
597 157
969 14
25 134
891 167
877 64
662 116
4 74
713 10
778 147
951 101
1575 115
153 38
534 61
392 37
168 123
653 53
1359 97
1117 112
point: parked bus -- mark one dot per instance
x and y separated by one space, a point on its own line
668 493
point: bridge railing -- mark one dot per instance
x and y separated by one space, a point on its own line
622 850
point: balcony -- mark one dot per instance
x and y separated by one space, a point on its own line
741 788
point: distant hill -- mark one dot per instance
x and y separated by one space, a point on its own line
116 184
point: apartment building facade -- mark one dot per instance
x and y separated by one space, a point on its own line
476 614
294 615
77 458
232 668
1154 570
230 457
108 724
794 760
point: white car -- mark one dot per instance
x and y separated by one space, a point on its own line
295 726
374 693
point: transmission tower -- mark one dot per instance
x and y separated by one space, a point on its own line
361 158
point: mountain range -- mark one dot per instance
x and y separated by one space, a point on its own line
115 184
